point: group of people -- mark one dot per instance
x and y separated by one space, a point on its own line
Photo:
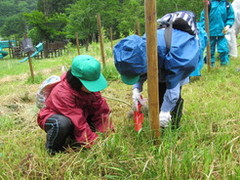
75 108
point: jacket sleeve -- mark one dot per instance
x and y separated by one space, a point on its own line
230 16
99 113
139 84
65 104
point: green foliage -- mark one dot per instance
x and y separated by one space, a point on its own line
121 17
13 25
35 35
47 28
167 6
57 20
131 12
38 79
10 13
82 19
38 21
110 72
51 7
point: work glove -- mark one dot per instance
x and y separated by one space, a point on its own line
137 97
164 118
226 29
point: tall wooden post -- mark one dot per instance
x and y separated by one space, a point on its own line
151 35
111 38
10 48
206 9
101 38
30 65
77 43
138 32
28 48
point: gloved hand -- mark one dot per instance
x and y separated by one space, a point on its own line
136 95
164 118
226 29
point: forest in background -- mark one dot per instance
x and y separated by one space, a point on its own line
54 20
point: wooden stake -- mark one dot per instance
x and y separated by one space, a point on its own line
29 60
30 65
206 9
111 38
138 28
101 38
77 43
151 35
9 48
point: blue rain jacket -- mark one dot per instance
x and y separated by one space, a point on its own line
202 35
175 65
182 59
219 17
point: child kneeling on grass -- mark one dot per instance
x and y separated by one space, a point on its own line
75 107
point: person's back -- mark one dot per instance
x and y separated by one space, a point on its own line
181 59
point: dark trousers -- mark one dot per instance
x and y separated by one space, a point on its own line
58 129
176 113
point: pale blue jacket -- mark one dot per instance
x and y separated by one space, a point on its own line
219 16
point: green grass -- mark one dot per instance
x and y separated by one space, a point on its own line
206 146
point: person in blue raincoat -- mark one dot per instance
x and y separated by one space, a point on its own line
175 66
221 18
202 34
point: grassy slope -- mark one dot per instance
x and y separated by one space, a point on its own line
205 147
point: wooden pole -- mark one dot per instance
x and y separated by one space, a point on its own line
208 34
29 60
111 38
151 35
77 43
30 65
138 28
101 38
9 48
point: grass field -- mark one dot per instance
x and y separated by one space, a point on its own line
206 146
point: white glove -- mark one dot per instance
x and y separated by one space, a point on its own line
137 96
226 29
164 118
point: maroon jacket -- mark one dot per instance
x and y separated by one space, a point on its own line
77 106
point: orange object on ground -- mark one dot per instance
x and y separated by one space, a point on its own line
138 117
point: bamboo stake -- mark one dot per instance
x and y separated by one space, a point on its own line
30 65
208 34
138 28
151 29
111 38
29 60
77 43
101 38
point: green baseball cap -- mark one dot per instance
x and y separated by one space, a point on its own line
130 80
88 70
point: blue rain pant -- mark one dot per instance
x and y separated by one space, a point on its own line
222 49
